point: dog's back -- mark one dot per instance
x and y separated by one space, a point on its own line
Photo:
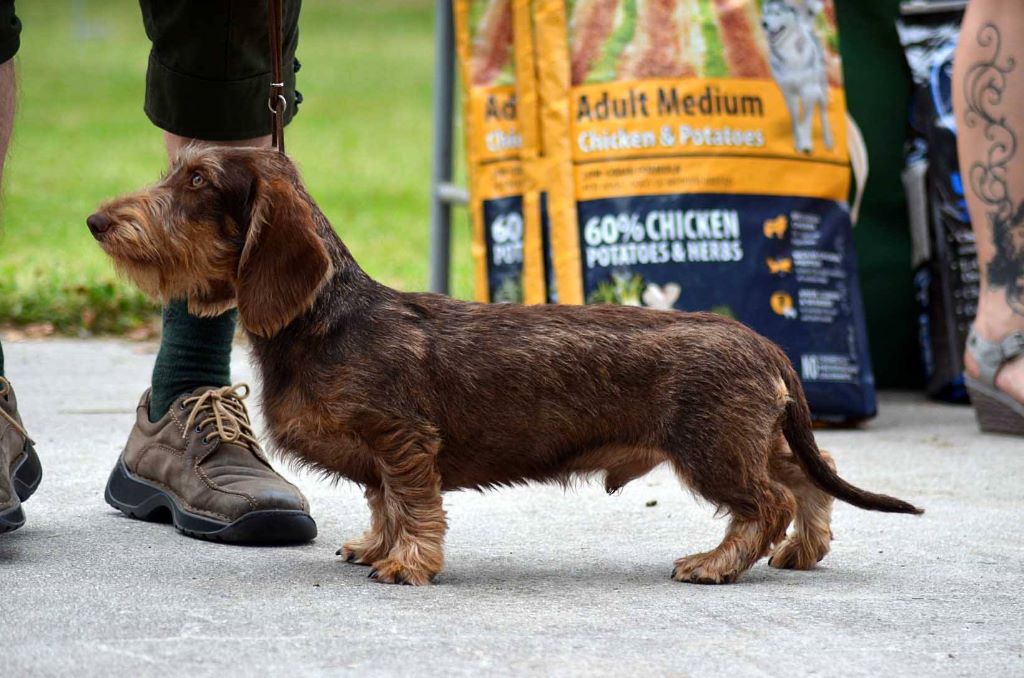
521 391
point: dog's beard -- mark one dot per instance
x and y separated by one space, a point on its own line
137 258
159 276
205 298
144 276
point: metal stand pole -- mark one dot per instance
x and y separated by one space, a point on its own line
441 171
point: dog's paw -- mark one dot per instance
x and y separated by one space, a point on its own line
705 568
391 571
351 552
795 554
362 551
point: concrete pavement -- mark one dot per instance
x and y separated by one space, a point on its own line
537 580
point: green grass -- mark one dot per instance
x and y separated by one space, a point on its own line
362 139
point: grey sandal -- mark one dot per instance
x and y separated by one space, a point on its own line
996 411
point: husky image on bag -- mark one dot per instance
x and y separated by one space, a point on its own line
797 60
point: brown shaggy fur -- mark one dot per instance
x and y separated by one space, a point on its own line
411 395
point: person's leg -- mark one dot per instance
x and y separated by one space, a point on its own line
194 352
7 96
193 452
20 471
988 99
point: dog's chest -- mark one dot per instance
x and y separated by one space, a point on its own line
321 437
794 55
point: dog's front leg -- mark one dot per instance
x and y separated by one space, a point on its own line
826 129
376 542
795 118
807 122
411 508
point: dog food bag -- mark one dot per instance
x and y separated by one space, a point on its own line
707 141
946 275
531 154
538 95
484 44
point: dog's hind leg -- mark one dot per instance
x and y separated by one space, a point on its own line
747 540
760 509
812 533
376 542
411 504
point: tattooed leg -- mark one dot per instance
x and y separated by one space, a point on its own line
988 99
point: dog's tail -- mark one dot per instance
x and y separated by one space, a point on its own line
796 427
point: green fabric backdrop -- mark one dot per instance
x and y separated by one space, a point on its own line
878 90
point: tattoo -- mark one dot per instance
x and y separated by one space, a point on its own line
984 86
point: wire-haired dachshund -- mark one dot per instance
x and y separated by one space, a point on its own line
411 395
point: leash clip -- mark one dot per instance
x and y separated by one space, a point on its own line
272 104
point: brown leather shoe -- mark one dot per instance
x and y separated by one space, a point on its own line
202 468
20 471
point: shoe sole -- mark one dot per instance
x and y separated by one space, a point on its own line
140 499
27 475
996 412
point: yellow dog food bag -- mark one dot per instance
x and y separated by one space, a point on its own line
541 83
531 153
705 145
484 45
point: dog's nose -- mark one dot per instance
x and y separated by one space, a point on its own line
98 224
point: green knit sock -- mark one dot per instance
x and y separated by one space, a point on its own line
194 352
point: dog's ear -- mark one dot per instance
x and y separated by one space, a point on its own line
284 261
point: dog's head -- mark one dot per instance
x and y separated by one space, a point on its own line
780 16
224 227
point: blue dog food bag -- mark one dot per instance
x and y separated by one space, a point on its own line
707 141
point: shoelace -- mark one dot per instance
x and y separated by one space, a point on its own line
223 408
5 388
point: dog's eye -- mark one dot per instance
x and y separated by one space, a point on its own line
197 180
